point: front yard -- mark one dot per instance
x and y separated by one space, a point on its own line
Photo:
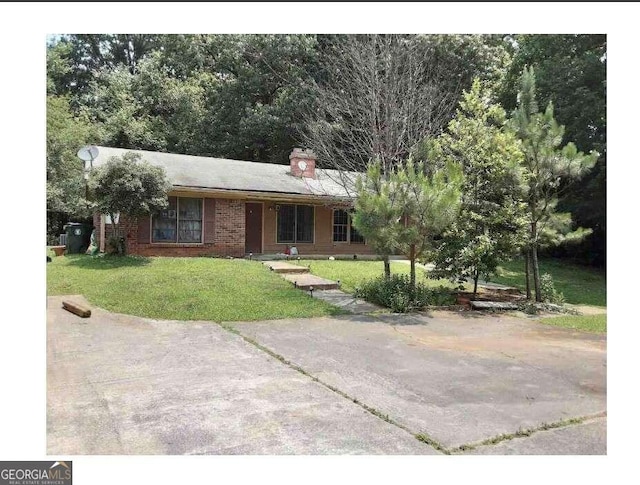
580 285
354 273
182 288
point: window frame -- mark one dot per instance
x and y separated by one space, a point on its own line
295 224
349 228
176 242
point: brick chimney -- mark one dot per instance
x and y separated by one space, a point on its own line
303 163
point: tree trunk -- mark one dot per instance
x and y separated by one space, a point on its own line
476 277
412 258
527 268
387 267
117 240
536 271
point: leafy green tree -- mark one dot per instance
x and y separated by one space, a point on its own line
490 226
127 185
429 204
378 213
66 188
548 168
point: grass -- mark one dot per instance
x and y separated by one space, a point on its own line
354 273
182 288
579 284
589 323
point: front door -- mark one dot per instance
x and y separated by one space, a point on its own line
253 228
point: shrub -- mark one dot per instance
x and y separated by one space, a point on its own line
548 290
396 293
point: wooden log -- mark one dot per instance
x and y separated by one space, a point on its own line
77 309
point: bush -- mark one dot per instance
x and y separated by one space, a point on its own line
396 293
549 292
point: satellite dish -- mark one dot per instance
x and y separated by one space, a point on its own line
302 165
88 153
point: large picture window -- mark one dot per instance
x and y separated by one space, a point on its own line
343 231
180 222
295 223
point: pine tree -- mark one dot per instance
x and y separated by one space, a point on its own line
429 204
377 213
548 167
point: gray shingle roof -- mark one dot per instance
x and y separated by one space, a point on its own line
220 173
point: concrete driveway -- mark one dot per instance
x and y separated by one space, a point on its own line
125 385
354 384
458 380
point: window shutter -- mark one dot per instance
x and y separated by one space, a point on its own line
144 229
209 220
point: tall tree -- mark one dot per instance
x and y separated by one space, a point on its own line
490 226
378 95
548 169
571 72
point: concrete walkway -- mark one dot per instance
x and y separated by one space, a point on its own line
347 302
323 289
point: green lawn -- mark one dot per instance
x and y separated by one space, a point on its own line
590 323
581 285
353 273
182 288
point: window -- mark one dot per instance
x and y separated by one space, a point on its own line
180 222
343 231
295 223
340 225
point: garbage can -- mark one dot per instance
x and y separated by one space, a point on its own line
78 237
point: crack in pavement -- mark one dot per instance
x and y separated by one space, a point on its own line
423 436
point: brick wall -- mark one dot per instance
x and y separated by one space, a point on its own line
228 238
230 227
229 234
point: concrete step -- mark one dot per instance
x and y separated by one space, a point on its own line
493 305
347 302
285 268
306 281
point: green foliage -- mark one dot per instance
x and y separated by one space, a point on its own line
129 186
377 211
571 72
429 203
549 292
234 96
405 209
580 285
546 165
547 168
490 225
400 295
66 133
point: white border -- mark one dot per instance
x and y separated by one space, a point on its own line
22 340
